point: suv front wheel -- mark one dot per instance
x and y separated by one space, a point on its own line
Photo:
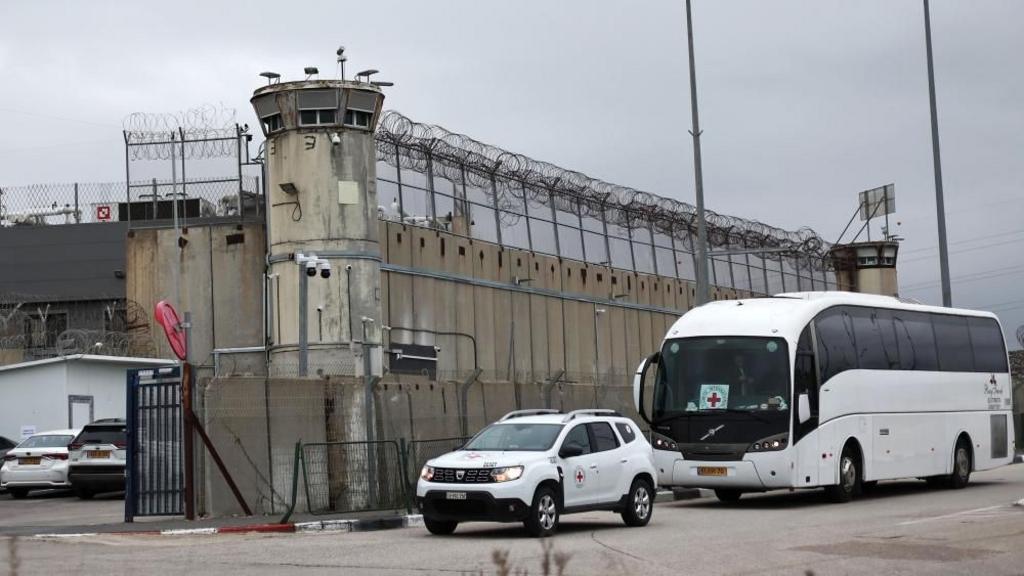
639 504
543 518
439 527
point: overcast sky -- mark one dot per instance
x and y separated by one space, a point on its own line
803 103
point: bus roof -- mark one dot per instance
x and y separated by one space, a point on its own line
786 315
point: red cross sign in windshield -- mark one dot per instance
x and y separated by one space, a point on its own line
714 399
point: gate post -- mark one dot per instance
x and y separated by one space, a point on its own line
188 436
130 479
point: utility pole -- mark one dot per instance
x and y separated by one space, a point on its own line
940 208
703 291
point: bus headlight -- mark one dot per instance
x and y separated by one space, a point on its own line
662 443
777 442
507 474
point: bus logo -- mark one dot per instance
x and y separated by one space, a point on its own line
712 431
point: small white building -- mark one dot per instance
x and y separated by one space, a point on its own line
64 392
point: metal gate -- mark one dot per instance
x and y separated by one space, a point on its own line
155 484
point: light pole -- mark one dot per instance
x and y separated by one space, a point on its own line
703 292
940 208
308 266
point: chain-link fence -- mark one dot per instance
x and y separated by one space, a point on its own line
354 477
144 200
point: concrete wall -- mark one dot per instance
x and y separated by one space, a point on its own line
217 274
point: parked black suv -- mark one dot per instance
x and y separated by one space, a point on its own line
97 458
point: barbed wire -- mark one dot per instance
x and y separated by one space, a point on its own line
516 177
207 131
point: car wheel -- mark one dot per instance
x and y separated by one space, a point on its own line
18 493
849 478
727 495
439 527
961 474
542 520
639 504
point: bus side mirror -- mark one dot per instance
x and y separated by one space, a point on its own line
638 384
803 407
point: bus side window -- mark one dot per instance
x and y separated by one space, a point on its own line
837 348
987 343
805 381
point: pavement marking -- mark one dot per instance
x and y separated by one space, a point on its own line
187 531
79 535
948 516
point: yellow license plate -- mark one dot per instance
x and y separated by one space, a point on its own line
29 461
712 471
98 453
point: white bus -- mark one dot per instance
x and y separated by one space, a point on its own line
826 389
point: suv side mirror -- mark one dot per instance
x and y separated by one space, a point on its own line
803 408
570 451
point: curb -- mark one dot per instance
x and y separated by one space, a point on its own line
333 526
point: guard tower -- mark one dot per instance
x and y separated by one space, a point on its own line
868 267
323 252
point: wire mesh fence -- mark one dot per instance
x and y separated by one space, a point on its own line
354 477
419 452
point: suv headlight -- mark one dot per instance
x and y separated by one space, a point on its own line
507 474
427 473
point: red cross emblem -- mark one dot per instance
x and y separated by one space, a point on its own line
580 476
103 213
714 399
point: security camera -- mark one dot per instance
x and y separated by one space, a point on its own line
335 139
348 267
325 269
437 348
311 268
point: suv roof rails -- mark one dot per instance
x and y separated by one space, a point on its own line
590 412
530 412
108 421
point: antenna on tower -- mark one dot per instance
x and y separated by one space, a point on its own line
341 61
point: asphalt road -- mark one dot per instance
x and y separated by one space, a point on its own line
902 528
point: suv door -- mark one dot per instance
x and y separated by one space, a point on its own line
580 477
610 467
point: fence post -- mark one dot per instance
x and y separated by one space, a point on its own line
403 465
295 484
78 213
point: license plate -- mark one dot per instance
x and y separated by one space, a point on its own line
29 461
455 495
97 453
712 471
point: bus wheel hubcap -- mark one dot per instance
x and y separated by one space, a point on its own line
961 462
849 474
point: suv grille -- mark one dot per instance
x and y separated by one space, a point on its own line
462 476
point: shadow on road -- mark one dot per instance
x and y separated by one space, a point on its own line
817 497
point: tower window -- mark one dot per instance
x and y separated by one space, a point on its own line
272 123
317 117
357 118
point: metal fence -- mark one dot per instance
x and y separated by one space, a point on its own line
432 177
354 476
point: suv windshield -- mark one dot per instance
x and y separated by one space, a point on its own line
47 441
116 435
515 437
726 373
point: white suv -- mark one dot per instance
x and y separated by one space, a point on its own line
534 465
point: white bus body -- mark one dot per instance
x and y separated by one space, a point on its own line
833 390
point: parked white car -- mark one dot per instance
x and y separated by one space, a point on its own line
40 461
97 458
535 465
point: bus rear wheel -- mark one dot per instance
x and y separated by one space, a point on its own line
961 474
728 495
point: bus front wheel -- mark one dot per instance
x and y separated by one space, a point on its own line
849 477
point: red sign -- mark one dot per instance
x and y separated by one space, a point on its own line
168 318
103 213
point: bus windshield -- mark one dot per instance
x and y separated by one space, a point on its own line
722 373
